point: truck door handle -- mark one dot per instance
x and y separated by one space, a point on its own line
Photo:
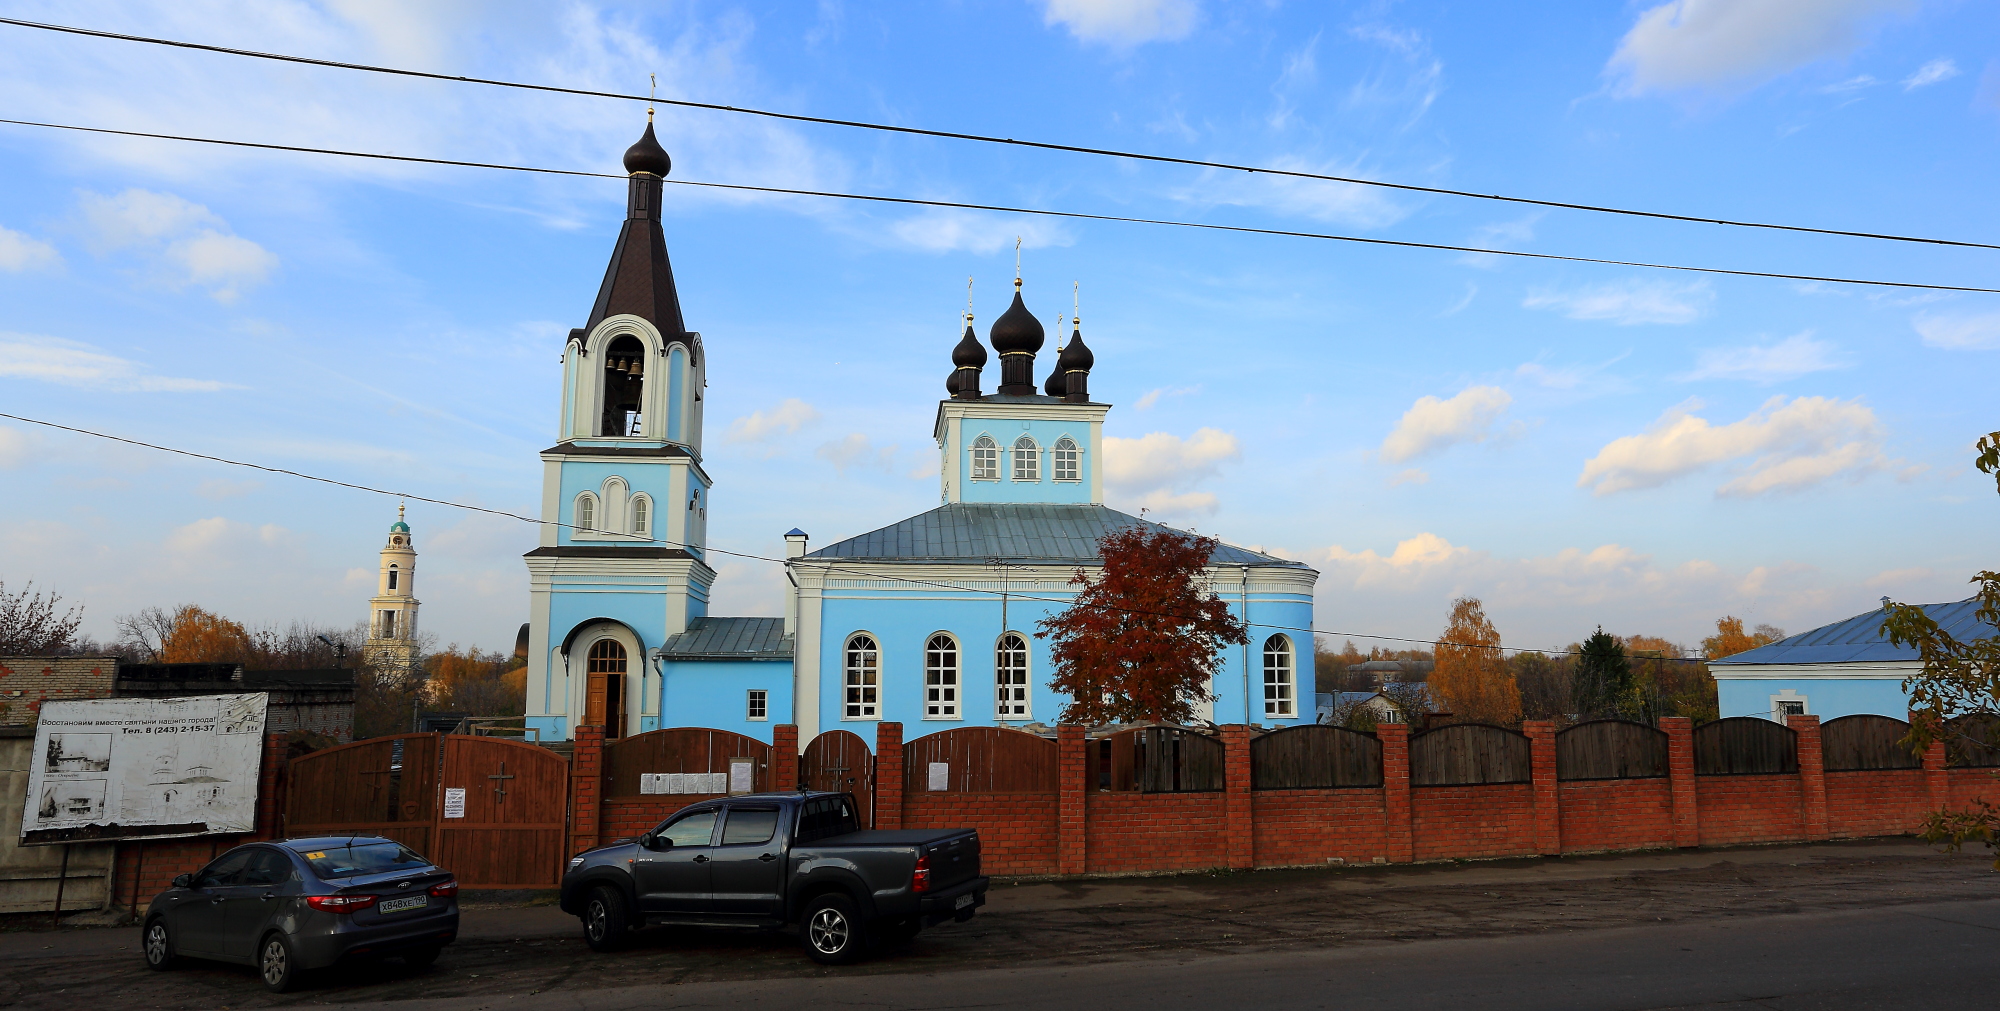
216 901
268 896
768 857
700 859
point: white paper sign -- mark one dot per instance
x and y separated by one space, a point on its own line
144 768
940 775
742 775
676 782
454 802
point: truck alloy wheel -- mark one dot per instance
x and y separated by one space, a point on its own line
605 919
832 930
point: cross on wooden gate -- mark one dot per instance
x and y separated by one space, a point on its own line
500 784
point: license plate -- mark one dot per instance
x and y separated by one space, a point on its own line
963 901
401 905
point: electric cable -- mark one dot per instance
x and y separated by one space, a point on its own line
988 139
1004 209
825 567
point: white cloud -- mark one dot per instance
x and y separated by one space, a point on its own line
52 360
1344 203
1733 44
188 243
1790 358
15 446
854 450
1940 69
1959 331
1122 23
1569 377
1628 302
1781 446
947 230
20 252
1410 476
1158 470
788 417
1154 396
1432 424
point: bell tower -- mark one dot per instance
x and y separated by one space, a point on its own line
392 612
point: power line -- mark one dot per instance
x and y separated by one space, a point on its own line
1005 209
826 567
987 139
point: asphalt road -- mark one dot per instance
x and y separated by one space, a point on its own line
1934 955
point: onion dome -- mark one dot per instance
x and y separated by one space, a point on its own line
1056 385
969 354
1017 330
1075 356
647 155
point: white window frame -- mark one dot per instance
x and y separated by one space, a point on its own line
584 515
861 680
943 666
1073 456
757 705
1012 698
1789 696
985 458
1280 678
1032 455
642 515
395 575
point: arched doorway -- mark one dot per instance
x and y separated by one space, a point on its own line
604 699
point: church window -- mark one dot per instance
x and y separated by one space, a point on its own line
1064 461
1278 686
864 677
392 575
387 625
759 707
941 678
586 512
985 459
1027 460
1011 677
624 384
639 517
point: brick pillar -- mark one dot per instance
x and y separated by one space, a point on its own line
1395 739
1680 774
271 780
1936 780
1812 775
1548 798
586 788
889 775
1073 787
1238 814
785 757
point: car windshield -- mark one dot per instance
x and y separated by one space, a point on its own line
355 858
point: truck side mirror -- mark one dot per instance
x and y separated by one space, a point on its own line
183 881
652 841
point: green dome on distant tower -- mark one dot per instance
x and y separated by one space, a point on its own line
399 527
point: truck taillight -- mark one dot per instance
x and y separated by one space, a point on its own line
445 889
340 903
920 879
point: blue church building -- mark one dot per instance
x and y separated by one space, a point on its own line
929 620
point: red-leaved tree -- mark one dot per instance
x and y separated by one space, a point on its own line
1142 640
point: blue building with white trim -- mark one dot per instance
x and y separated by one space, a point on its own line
1844 669
929 621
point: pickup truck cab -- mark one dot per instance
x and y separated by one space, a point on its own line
772 860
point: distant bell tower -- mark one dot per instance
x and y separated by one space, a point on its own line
392 612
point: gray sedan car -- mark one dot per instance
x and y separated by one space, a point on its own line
302 904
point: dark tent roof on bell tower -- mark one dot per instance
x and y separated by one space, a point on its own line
640 279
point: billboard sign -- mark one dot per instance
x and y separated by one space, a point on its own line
144 769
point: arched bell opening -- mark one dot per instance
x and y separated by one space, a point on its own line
624 388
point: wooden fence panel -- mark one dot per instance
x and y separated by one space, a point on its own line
1972 741
1314 757
1160 760
981 760
838 761
1744 745
386 785
681 749
1611 749
1855 743
1467 753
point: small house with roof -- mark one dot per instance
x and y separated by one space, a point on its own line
928 620
1847 668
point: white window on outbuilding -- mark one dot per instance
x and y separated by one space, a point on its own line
758 705
1788 702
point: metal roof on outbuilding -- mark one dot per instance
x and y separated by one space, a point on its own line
730 639
1050 534
1860 639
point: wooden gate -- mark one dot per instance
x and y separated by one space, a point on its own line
504 831
838 761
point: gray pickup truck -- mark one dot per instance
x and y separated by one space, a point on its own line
770 860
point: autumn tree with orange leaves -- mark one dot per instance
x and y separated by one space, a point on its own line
1143 639
1471 677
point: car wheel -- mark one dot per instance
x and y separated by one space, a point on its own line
277 964
418 958
158 944
606 920
832 930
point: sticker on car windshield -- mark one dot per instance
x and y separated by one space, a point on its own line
321 855
399 905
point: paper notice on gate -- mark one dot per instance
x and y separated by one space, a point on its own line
742 776
454 802
940 775
676 782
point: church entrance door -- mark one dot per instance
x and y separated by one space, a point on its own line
604 703
838 762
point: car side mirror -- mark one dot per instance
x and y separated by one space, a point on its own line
653 841
183 881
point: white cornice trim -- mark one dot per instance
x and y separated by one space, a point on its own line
1877 670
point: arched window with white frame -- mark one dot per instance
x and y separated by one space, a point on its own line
863 677
586 512
642 515
1280 690
1027 459
1010 677
941 677
985 459
1066 461
394 573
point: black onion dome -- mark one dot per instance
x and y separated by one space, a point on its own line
951 383
647 155
1075 357
1057 384
969 354
1017 329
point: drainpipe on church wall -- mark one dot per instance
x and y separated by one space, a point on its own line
1246 644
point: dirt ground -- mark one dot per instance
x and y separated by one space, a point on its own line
521 951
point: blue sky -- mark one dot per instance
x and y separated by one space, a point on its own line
1575 444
